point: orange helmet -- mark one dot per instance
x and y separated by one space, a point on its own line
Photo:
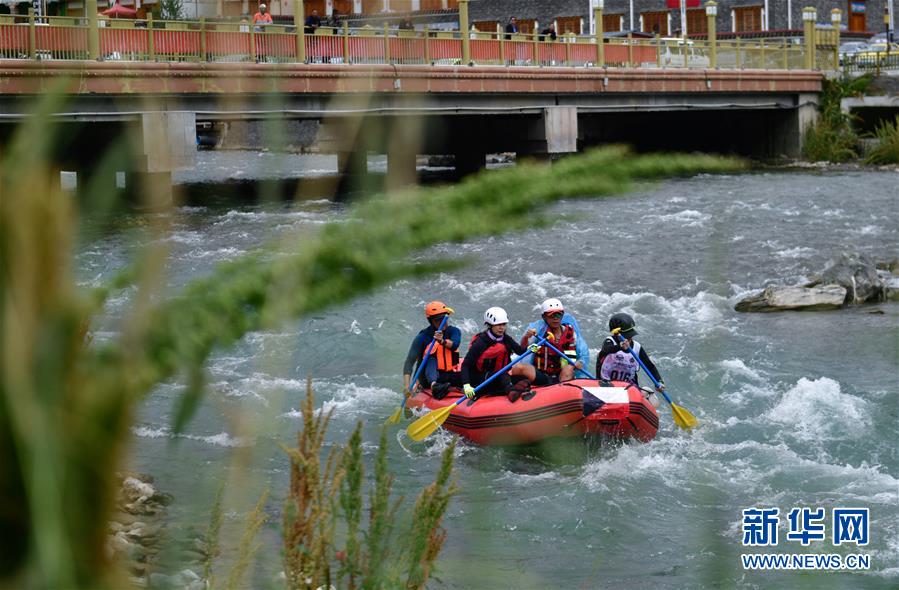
436 308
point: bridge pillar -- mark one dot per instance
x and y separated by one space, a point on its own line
469 161
167 142
789 135
555 132
353 163
152 189
400 169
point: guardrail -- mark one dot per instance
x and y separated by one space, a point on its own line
67 38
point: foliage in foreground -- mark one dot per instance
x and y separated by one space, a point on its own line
832 138
887 149
390 553
66 406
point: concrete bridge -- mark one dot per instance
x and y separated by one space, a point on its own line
407 110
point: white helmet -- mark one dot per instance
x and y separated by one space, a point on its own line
551 305
495 316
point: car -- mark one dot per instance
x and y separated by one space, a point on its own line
877 54
849 50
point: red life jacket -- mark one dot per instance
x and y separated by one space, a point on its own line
494 358
447 360
546 358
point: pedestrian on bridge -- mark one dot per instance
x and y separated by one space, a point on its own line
261 18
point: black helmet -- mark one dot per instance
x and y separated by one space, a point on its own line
625 322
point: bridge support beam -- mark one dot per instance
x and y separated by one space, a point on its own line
353 164
401 170
167 142
469 161
789 135
555 132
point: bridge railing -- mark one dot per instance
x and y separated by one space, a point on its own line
67 38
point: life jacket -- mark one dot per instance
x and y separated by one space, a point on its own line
547 360
621 365
447 360
494 358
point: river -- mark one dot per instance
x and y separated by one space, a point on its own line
796 409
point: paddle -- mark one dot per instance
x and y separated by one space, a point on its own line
427 424
568 358
395 417
682 417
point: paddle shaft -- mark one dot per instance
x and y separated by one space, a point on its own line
498 373
642 366
570 360
424 360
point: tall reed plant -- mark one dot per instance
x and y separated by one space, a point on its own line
326 542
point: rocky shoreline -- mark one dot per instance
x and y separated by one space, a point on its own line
137 531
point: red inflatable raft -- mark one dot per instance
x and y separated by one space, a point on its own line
575 408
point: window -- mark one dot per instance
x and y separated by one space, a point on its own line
747 18
568 24
612 22
399 5
485 26
371 6
526 26
655 22
697 22
340 7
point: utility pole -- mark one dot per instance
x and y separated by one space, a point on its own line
683 23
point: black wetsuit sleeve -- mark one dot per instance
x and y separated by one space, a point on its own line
514 346
475 351
650 366
608 347
415 352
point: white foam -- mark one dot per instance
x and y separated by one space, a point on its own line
632 463
737 368
688 217
350 399
793 253
222 439
819 410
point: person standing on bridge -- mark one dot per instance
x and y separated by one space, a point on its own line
313 21
261 18
511 28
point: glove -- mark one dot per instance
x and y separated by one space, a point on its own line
533 348
469 391
661 387
563 361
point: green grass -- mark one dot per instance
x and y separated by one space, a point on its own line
887 149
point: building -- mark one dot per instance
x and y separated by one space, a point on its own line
663 16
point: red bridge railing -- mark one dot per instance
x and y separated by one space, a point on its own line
66 38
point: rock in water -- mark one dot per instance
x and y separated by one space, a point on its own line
774 298
858 274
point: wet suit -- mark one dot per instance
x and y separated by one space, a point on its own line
486 355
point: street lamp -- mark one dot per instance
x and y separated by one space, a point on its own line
711 13
598 5
809 17
836 17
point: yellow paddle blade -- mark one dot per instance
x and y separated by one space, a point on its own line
683 418
427 424
395 417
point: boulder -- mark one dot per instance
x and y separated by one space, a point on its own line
778 298
858 274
